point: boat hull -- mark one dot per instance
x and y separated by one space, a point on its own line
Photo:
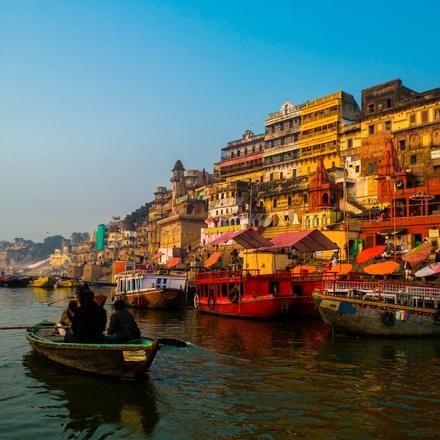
375 318
153 298
67 284
124 361
262 307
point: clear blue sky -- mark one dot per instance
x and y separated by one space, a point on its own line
98 99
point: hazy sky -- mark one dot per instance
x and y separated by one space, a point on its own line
98 99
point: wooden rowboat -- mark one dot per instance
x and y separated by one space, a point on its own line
124 361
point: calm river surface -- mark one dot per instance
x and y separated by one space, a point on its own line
238 380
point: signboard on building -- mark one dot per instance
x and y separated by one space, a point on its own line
100 237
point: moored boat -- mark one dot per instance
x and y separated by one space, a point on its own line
14 281
380 308
67 283
244 293
125 361
152 290
44 282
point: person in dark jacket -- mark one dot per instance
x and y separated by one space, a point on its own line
123 327
89 321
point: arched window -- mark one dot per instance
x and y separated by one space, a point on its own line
232 222
307 222
305 198
315 221
324 201
324 220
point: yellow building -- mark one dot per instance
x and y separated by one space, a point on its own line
59 258
321 122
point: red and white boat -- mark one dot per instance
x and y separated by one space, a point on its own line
244 293
254 289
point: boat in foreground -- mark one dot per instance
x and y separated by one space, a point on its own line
151 290
124 361
380 308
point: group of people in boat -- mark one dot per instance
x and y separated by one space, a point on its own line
87 321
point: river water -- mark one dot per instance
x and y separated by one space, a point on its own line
237 380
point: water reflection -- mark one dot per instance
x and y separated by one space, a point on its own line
93 401
255 339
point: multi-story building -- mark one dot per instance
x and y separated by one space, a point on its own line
229 208
281 151
177 216
322 120
242 159
410 120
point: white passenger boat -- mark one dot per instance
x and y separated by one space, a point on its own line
152 290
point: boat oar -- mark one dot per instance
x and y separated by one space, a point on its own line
62 299
23 327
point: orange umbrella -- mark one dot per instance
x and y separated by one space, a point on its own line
210 261
303 270
341 268
369 253
417 255
385 268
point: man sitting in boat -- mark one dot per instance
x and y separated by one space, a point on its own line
123 327
89 321
67 317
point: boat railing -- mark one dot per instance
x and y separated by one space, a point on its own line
393 293
226 273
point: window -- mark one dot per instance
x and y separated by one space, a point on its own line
413 159
294 173
371 108
289 200
315 221
402 145
274 203
357 168
238 153
281 175
271 177
425 116
388 103
387 125
349 143
412 118
286 109
307 223
371 129
437 113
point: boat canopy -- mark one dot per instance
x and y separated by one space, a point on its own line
247 238
305 241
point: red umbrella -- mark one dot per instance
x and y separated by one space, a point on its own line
369 253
